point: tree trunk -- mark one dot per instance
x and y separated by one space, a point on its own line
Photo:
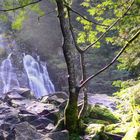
71 110
83 110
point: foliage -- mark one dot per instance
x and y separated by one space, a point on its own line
118 128
129 104
19 16
105 13
133 134
130 60
125 84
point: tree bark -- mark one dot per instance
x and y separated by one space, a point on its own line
71 110
83 110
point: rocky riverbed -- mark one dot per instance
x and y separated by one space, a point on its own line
23 117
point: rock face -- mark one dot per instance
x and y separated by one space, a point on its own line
23 117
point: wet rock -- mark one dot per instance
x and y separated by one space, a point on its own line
25 131
54 115
12 96
50 127
22 118
41 122
8 119
1 136
62 135
102 99
37 107
56 98
25 92
27 117
7 112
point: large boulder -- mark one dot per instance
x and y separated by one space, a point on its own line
96 132
102 113
25 92
58 98
24 131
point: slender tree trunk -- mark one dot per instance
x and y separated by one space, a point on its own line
83 110
71 111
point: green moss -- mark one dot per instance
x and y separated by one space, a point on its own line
97 121
71 117
118 128
95 128
102 113
74 137
96 132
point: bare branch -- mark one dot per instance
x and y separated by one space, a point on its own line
20 7
113 61
74 11
46 14
109 28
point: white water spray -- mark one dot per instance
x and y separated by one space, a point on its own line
39 80
8 76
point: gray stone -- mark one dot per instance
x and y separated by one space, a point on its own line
25 131
25 92
62 135
1 135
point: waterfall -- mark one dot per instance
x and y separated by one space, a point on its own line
36 71
8 76
38 77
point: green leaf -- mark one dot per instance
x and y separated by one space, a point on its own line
85 4
81 37
17 24
92 11
100 28
36 9
109 39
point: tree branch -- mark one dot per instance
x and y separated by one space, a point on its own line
19 7
113 61
39 17
109 28
74 11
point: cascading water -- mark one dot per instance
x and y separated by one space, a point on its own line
8 76
36 71
38 77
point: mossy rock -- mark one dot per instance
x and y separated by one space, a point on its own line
118 128
96 121
96 132
95 128
132 134
102 113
